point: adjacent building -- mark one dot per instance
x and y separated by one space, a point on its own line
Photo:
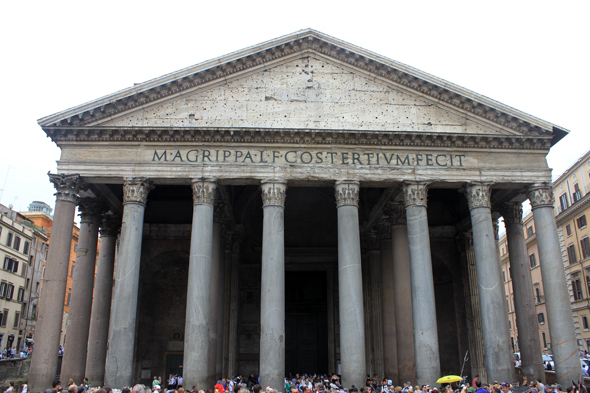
16 240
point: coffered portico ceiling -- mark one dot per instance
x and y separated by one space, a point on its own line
311 70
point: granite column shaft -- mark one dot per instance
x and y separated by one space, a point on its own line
196 336
350 285
388 307
496 333
272 296
423 300
78 322
522 284
215 301
51 302
121 342
559 313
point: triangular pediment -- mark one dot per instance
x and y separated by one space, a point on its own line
306 80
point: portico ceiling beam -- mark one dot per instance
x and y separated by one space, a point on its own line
113 202
377 211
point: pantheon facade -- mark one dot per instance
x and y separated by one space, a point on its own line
300 206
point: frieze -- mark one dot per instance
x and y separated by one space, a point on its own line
540 195
297 136
273 192
136 189
204 191
68 186
478 195
191 80
416 193
347 193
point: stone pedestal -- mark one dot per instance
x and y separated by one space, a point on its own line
350 285
78 322
121 343
522 284
496 333
423 303
402 286
559 312
101 303
272 296
51 304
196 334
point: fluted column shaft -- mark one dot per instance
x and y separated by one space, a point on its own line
402 287
196 333
496 333
350 285
51 301
78 322
121 342
101 303
423 302
522 284
272 295
559 312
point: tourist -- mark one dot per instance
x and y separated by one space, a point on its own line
10 388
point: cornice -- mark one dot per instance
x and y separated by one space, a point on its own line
573 210
307 41
295 136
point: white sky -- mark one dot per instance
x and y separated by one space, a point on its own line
531 55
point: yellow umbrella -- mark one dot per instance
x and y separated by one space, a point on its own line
449 379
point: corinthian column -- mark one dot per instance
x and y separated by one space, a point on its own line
196 336
101 303
423 303
559 312
216 300
350 285
119 363
272 296
51 303
402 288
78 322
496 334
522 284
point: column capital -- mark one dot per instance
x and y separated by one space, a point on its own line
110 225
68 186
478 194
91 209
274 192
396 212
383 229
347 193
136 189
512 212
540 195
416 193
204 190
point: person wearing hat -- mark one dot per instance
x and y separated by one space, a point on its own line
505 387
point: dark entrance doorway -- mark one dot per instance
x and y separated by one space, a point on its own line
306 322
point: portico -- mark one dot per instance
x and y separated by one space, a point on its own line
312 155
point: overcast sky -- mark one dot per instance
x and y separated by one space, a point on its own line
531 55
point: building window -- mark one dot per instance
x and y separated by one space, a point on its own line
69 298
11 265
4 318
577 195
9 291
584 322
533 260
16 245
541 318
26 248
504 275
581 221
3 286
568 229
9 240
544 340
21 294
510 324
72 271
508 303
16 319
34 311
538 297
571 254
563 202
585 246
76 247
529 231
577 286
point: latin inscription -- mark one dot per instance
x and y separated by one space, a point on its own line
205 156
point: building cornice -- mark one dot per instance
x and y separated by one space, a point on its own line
302 43
296 136
573 210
